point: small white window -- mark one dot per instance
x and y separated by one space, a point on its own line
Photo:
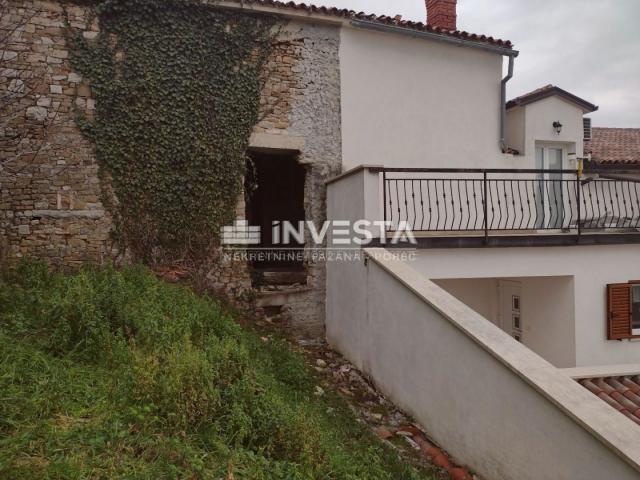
515 300
586 122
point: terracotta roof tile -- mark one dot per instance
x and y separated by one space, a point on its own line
619 392
381 19
614 145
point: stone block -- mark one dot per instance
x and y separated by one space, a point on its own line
49 6
39 114
16 86
60 53
36 57
74 78
9 73
84 90
8 55
44 102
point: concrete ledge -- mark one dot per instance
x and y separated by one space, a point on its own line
519 240
602 371
278 298
353 171
613 430
276 143
92 214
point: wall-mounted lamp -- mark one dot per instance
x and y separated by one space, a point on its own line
557 126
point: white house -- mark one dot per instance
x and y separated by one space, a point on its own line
429 104
523 277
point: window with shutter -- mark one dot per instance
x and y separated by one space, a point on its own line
619 306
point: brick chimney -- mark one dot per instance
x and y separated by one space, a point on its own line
442 13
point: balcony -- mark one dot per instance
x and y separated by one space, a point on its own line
508 207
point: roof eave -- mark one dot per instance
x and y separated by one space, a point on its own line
587 107
282 11
343 17
461 42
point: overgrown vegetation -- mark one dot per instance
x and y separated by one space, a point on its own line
177 89
115 374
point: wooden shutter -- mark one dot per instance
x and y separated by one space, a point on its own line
619 311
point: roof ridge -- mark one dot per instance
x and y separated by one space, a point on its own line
547 91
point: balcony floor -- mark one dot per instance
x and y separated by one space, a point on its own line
526 238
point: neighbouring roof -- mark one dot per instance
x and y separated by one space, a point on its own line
549 91
380 19
622 393
614 146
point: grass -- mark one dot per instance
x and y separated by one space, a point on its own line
115 374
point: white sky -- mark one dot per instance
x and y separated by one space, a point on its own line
588 47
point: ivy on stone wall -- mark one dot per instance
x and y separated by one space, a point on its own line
177 89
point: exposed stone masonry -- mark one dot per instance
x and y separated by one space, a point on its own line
51 193
301 100
308 80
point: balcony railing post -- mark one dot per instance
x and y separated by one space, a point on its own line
578 196
486 203
384 199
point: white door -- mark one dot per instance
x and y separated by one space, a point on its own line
550 192
510 308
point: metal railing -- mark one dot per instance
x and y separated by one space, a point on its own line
507 200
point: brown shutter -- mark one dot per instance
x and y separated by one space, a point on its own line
619 306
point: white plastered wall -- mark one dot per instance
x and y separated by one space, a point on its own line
423 348
547 311
591 268
533 123
481 294
411 102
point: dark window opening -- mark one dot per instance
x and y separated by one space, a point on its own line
274 189
635 308
516 303
516 322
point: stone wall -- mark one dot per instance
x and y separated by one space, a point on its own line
51 192
317 118
300 113
303 101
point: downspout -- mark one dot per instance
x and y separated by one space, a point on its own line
503 106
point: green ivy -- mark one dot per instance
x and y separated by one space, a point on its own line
177 89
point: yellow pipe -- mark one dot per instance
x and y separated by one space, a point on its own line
580 167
